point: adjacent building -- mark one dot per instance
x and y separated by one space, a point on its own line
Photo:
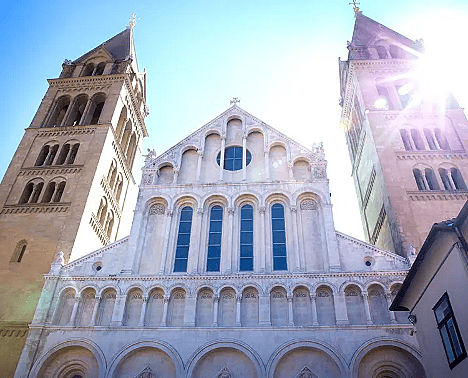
435 293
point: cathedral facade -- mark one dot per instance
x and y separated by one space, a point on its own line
232 268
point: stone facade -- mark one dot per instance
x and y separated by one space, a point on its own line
232 268
71 181
407 146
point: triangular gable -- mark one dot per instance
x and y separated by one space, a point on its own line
119 47
271 135
366 31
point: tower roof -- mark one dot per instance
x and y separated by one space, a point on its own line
120 47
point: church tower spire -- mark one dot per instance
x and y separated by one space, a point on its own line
71 181
407 148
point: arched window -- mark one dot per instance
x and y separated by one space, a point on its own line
446 179
59 111
76 114
37 192
417 139
457 179
246 239
106 307
431 179
27 191
19 251
102 212
183 239
118 190
396 52
214 239
131 149
279 237
63 154
88 70
383 102
112 174
441 139
59 192
420 182
121 123
96 108
430 139
42 155
406 140
100 69
109 223
382 52
73 153
49 192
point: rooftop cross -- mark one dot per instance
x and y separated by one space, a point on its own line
355 6
235 100
133 20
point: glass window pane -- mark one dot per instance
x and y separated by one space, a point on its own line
216 226
214 239
454 336
218 159
279 263
246 225
186 214
277 224
237 164
442 310
447 345
230 151
279 237
249 157
246 251
184 227
180 265
217 213
212 265
277 211
182 252
246 264
246 237
214 251
247 212
279 250
183 239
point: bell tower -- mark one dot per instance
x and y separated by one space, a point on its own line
71 181
407 140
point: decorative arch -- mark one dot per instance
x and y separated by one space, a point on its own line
247 350
186 199
310 193
345 284
110 287
220 198
141 344
134 286
278 196
289 346
75 342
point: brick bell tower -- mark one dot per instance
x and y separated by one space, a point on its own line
71 181
407 143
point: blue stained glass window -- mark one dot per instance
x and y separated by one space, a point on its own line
279 237
214 239
233 158
183 240
246 239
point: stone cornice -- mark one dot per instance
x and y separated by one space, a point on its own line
50 170
47 132
437 195
59 207
431 155
375 66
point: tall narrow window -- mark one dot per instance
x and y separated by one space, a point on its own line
49 193
430 139
63 154
214 239
431 179
183 240
59 192
246 238
42 156
406 140
37 192
19 251
417 139
73 153
28 189
382 52
457 179
445 179
448 328
383 102
279 237
441 139
419 179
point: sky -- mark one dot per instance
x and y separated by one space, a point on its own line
279 57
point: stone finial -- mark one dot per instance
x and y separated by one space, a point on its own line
57 264
150 156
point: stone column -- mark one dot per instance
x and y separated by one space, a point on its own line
141 323
244 158
221 160
367 308
200 159
194 249
290 171
297 259
164 317
313 304
267 165
67 115
413 145
388 297
190 308
119 308
238 310
330 234
264 310
341 311
290 310
167 233
229 267
262 240
176 175
74 311
85 112
215 310
434 138
97 301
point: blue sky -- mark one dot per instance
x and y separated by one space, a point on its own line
280 58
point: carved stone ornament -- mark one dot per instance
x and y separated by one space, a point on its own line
319 172
146 373
150 156
224 373
157 209
306 373
59 258
351 293
301 294
308 205
323 293
277 294
147 179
